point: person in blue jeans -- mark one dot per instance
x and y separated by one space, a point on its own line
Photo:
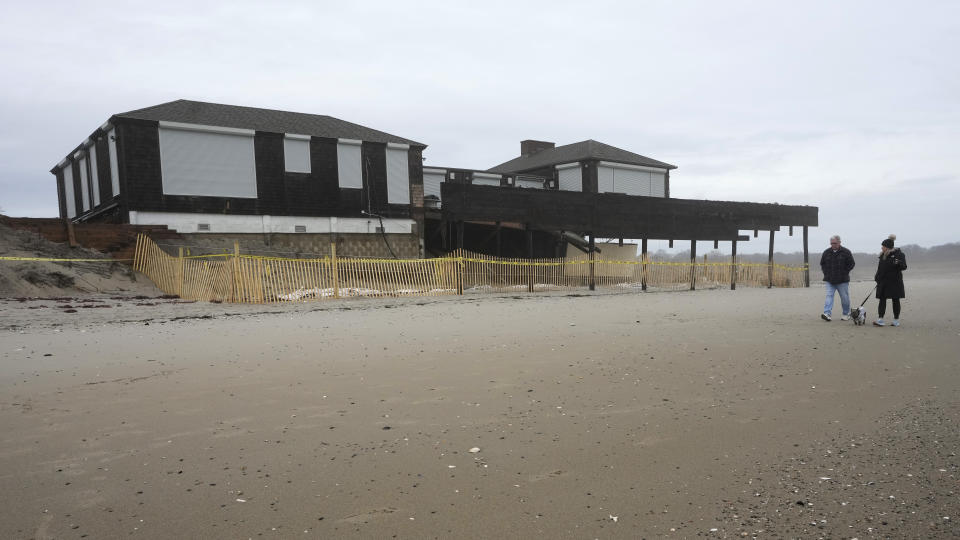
836 264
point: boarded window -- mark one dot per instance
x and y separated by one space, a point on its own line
207 161
94 176
84 186
348 164
630 179
68 191
398 174
658 184
604 179
114 169
296 153
485 179
432 179
570 177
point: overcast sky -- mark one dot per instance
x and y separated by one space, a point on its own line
848 106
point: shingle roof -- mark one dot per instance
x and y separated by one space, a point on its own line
580 151
234 116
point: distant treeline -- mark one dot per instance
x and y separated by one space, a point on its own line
914 253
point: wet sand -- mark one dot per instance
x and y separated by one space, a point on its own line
716 413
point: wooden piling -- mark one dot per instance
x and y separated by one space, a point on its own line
733 266
770 262
693 265
806 259
643 264
593 250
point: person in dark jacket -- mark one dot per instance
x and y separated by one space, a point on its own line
889 278
836 264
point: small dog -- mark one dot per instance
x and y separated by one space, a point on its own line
859 315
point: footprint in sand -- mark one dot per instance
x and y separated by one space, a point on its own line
546 475
369 515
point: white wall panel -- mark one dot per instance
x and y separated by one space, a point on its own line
631 182
658 185
528 184
570 178
604 179
485 181
68 191
205 163
94 176
348 164
296 153
432 178
398 175
114 168
84 187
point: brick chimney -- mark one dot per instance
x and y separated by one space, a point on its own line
530 147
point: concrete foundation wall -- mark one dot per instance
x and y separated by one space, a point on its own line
305 245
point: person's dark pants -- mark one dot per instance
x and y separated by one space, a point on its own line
882 308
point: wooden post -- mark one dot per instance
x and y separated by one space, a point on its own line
334 270
770 263
233 275
180 272
693 265
593 284
733 266
643 264
498 239
621 242
806 259
460 272
71 234
529 258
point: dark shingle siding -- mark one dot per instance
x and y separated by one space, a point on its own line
234 116
581 151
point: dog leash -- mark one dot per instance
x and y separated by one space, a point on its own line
868 296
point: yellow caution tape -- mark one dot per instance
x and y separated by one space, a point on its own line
46 259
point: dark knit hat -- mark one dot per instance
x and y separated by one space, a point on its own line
888 242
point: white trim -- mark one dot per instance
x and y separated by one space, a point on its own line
78 154
567 165
428 170
87 143
354 142
107 126
398 146
258 224
487 175
631 167
207 129
63 162
296 137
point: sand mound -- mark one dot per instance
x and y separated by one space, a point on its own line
45 278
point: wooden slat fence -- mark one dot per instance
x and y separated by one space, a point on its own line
255 279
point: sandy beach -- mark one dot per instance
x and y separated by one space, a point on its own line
715 413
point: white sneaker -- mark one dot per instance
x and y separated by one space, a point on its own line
844 317
825 316
896 322
879 322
